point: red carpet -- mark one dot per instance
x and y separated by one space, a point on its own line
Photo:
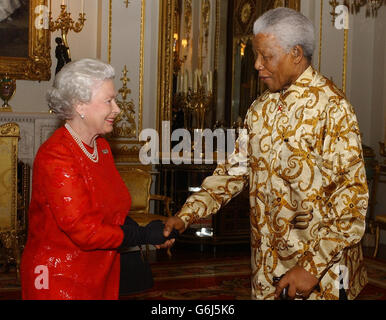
227 279
209 279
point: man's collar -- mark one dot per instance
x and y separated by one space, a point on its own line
304 79
301 83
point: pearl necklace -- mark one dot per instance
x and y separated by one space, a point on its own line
93 157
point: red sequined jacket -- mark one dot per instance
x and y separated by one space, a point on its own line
75 214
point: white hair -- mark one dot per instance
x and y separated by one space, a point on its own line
76 83
289 27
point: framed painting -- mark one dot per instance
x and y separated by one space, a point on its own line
25 40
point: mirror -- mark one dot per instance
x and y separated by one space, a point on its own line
187 53
206 62
242 83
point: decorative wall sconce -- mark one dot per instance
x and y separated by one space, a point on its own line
177 63
65 23
194 98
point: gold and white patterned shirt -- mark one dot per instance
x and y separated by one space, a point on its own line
308 189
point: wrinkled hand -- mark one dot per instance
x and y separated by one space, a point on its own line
301 283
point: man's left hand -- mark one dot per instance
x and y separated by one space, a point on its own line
300 283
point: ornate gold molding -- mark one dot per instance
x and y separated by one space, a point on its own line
126 151
141 66
205 23
334 4
109 35
141 54
294 4
217 39
124 139
188 19
216 57
37 66
125 125
345 56
320 35
10 129
165 64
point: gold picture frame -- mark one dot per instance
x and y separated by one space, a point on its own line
165 58
37 65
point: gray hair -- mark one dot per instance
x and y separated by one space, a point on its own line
289 27
76 83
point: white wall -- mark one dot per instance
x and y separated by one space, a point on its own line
151 65
92 42
362 73
126 50
30 95
366 76
366 72
378 130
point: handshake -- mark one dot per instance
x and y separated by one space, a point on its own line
152 233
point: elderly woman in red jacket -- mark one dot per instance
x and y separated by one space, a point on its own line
78 212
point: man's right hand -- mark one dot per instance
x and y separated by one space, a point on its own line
173 222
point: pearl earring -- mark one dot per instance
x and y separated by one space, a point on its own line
82 116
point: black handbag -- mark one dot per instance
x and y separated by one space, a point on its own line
136 275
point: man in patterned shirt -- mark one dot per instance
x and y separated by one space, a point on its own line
306 175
